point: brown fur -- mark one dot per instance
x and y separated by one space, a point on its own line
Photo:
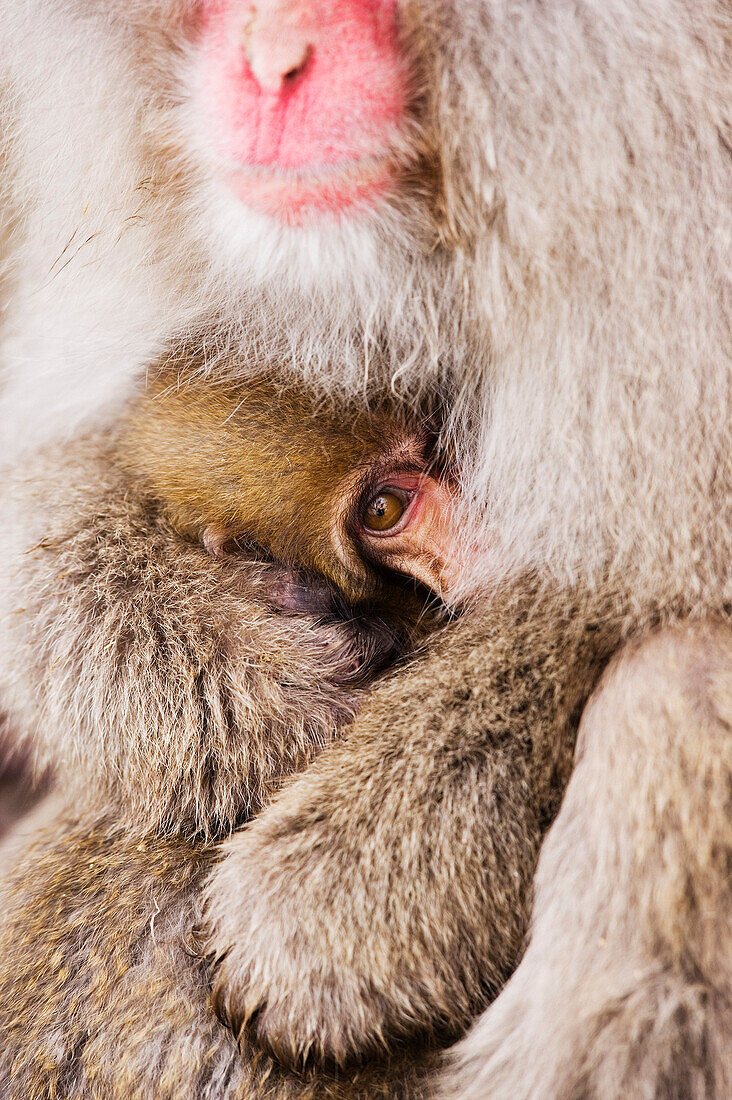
457 783
527 683
637 983
270 467
461 804
153 659
102 963
559 274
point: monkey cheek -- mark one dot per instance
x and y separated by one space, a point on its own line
430 568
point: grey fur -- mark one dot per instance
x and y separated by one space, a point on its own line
630 955
104 995
561 276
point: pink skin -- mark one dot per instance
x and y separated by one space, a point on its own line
424 543
304 98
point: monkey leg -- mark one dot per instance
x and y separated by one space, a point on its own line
384 893
626 987
102 994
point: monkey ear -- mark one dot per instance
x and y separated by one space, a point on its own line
215 539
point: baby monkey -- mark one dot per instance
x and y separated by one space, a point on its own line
350 496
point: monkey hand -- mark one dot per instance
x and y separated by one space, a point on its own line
382 895
309 965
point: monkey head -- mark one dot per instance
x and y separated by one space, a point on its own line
294 135
360 518
351 496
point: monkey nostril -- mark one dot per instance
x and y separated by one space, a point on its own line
275 64
298 69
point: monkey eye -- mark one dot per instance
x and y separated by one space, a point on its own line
385 510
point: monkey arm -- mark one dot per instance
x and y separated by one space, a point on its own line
151 676
384 893
626 986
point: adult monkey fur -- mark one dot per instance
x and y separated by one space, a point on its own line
140 1024
556 239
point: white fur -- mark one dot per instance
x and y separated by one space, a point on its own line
571 290
586 292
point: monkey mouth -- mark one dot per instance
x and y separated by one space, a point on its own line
304 196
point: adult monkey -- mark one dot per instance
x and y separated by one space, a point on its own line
557 231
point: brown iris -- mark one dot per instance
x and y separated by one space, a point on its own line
383 511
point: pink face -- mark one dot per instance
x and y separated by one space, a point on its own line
304 98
